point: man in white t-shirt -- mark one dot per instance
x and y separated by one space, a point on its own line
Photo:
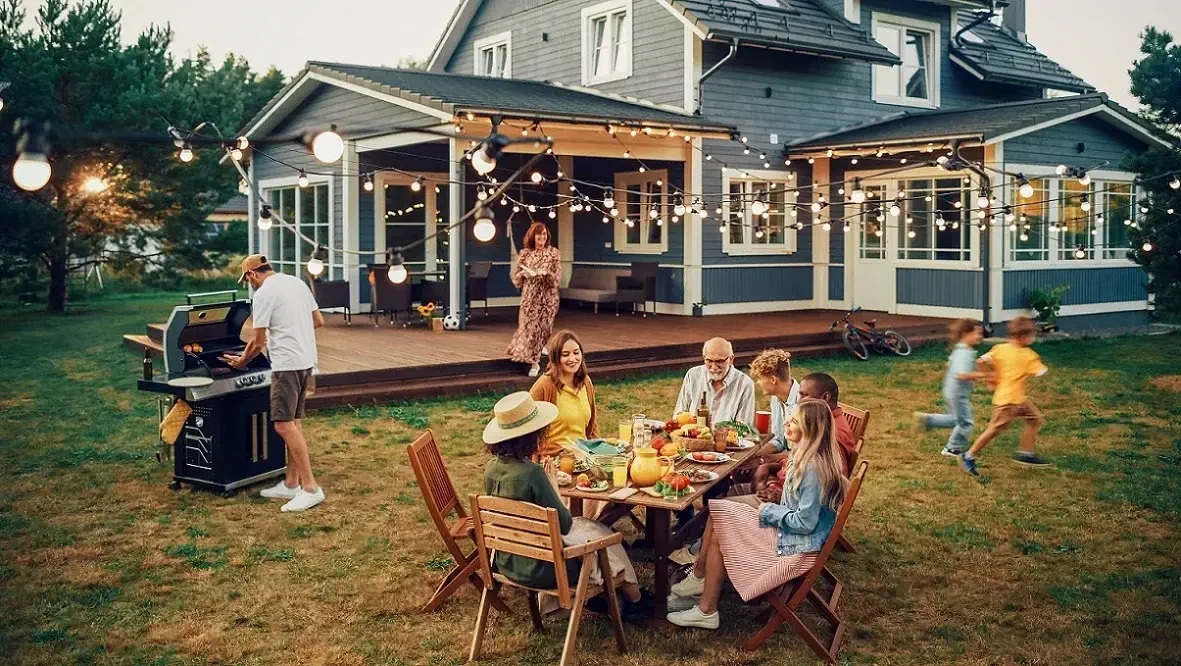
285 321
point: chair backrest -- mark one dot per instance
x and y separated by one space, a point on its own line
602 278
858 420
809 579
390 297
479 269
332 294
519 528
433 480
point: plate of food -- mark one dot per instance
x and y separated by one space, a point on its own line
740 445
741 429
701 475
671 485
564 479
588 485
581 466
708 457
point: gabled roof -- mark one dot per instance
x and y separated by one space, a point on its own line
805 26
444 96
982 124
996 56
235 205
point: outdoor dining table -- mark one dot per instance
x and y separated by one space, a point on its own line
658 512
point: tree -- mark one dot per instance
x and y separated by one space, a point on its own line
1156 82
71 71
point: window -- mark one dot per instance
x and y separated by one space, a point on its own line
871 223
916 81
637 195
769 232
1119 214
606 42
494 56
1076 227
1031 240
308 209
930 224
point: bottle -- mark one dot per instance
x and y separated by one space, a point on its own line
703 412
147 364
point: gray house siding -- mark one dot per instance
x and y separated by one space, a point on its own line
547 45
1060 144
836 283
745 285
1103 323
946 288
1087 285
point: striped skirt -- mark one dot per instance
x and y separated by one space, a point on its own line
749 550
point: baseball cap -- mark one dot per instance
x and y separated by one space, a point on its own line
252 263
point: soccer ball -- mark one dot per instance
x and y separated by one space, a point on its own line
450 323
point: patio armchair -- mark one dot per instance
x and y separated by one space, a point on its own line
477 283
638 287
334 294
387 297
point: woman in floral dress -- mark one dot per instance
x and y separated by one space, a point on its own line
538 271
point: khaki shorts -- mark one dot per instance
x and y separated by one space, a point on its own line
1003 415
288 389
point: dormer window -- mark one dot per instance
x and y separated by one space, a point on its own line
916 81
607 42
494 56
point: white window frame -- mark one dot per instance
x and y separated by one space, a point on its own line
490 43
268 239
785 179
934 62
606 10
1099 204
890 233
632 178
381 179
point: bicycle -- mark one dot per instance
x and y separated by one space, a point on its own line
860 339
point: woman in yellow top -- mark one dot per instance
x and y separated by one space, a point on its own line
567 385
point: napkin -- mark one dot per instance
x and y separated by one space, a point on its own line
597 447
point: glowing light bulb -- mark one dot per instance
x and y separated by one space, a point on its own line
186 154
416 186
535 177
94 185
895 210
328 147
397 273
236 154
315 267
484 229
1147 246
367 185
302 180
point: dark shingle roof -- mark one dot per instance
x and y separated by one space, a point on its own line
1002 58
807 26
238 204
972 124
459 93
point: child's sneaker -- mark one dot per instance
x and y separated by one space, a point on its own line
1031 460
951 453
969 464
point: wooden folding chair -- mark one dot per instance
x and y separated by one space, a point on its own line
525 529
858 420
441 501
786 600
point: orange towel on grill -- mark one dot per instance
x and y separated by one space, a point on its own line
174 421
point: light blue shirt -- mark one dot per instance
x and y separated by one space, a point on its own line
780 411
961 361
802 519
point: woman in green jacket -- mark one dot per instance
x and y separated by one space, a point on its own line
512 437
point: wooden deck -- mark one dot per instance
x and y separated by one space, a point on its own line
363 363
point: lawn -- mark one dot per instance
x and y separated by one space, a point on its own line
101 564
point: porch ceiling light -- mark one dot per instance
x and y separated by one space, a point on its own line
484 158
316 263
328 146
397 273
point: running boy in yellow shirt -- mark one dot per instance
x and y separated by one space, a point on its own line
1012 363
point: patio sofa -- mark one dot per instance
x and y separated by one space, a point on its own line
605 284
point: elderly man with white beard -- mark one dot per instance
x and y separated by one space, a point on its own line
729 393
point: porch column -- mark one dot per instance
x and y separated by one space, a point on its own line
692 259
566 224
457 237
252 232
995 154
351 206
821 172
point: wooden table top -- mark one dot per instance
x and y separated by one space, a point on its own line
640 498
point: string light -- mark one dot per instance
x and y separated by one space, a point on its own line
236 154
302 180
1060 169
1147 246
983 201
367 184
484 159
328 146
243 143
1080 253
397 272
416 186
316 263
1084 178
1024 187
1085 203
264 218
858 195
186 153
484 229
1174 181
536 176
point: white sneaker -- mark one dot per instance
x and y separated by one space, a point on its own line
280 491
534 370
694 618
304 500
690 586
676 603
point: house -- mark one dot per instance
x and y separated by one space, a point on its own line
809 137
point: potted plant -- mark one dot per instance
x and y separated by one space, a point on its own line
1047 303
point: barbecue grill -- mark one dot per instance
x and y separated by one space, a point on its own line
228 441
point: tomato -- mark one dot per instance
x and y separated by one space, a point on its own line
679 482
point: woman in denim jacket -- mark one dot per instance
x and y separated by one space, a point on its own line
762 547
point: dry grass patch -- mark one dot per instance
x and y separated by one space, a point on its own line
1167 383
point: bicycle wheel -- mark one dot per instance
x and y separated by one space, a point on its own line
897 344
855 344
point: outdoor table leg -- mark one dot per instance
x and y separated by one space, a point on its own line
575 507
658 531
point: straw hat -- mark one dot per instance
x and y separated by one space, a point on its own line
518 414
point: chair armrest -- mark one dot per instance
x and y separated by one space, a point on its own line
592 546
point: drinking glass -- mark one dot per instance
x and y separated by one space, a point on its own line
638 428
619 471
625 431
